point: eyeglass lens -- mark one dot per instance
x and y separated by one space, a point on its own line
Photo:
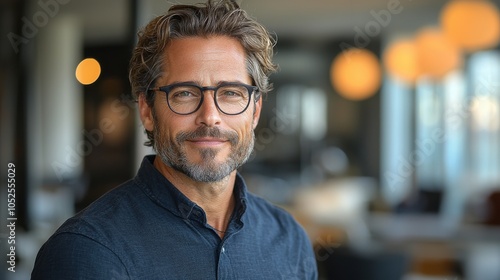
231 99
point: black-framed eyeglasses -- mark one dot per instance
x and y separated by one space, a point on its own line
186 98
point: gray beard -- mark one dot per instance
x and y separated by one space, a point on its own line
173 154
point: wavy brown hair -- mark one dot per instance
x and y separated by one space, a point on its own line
213 18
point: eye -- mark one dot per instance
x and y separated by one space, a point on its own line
232 92
184 93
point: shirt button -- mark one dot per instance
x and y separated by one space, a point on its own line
223 250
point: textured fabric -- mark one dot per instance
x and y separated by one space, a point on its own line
147 229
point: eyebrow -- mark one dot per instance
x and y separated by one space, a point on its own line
200 84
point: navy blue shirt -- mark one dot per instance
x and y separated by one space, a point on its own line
147 229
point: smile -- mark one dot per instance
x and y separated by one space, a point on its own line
207 142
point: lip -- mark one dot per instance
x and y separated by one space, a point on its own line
207 141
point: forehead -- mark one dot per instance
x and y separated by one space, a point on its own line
200 58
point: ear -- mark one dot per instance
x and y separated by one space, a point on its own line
145 113
256 113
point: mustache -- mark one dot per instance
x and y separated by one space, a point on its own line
204 131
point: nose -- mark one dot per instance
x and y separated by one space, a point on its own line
208 114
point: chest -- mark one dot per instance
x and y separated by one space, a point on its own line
190 251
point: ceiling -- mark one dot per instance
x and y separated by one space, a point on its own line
108 21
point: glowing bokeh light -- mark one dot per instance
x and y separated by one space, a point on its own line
356 74
437 56
471 24
401 60
88 71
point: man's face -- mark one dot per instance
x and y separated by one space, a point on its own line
206 145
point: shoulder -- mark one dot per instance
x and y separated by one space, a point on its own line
271 215
118 199
75 256
265 207
84 243
278 229
260 211
98 222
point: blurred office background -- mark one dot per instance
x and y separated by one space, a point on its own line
382 135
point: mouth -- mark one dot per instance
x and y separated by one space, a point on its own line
208 138
207 141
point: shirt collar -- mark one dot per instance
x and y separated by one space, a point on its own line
161 191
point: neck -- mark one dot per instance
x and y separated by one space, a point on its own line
215 198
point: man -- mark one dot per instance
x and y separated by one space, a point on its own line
198 73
